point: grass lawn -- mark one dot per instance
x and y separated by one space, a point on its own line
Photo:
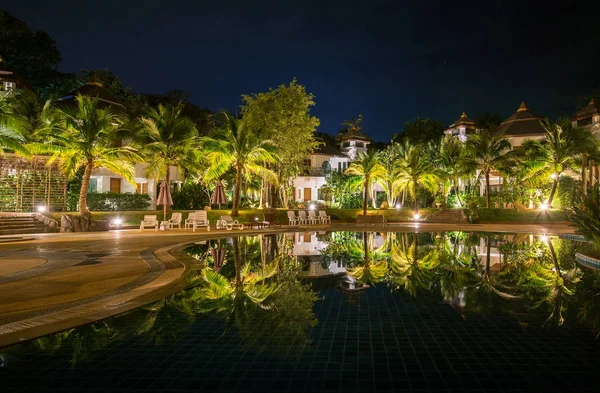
511 215
345 215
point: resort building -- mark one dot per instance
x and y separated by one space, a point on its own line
520 126
462 128
9 81
588 117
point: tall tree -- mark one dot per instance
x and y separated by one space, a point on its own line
389 156
12 126
485 153
171 139
282 115
414 169
236 147
368 169
84 136
420 131
202 117
558 151
488 121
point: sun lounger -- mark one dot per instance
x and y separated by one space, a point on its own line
229 223
149 221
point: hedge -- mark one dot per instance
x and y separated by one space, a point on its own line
114 201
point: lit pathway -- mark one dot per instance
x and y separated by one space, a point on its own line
52 282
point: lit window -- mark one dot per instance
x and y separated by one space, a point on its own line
9 86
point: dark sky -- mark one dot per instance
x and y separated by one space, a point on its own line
391 61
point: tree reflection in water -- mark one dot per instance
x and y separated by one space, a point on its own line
258 291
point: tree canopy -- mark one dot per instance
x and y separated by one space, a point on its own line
420 131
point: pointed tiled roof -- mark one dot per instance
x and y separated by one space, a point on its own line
355 134
463 121
592 109
522 123
8 75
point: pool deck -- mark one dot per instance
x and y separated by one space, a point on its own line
53 282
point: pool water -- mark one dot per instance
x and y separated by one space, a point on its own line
345 311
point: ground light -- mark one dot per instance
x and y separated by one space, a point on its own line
544 206
311 207
544 238
553 176
398 206
117 222
41 209
416 216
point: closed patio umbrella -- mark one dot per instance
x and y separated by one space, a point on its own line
219 196
218 255
164 198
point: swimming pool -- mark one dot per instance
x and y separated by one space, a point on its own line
343 311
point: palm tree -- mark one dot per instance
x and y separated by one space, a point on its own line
414 169
375 265
172 140
558 151
388 157
12 127
236 146
450 153
84 136
485 153
367 167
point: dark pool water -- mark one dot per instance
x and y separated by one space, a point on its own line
344 312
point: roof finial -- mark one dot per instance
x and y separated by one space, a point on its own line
523 107
94 80
592 102
463 116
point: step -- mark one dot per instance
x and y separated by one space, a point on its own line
20 231
24 226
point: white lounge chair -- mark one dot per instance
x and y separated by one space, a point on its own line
302 219
292 218
197 219
325 219
229 223
149 221
312 218
175 220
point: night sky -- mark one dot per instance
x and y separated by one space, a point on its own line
391 61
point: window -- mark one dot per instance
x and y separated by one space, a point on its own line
346 144
115 184
307 163
141 188
9 86
339 166
93 185
360 144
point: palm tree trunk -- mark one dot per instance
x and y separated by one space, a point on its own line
488 255
487 188
83 210
554 184
237 191
366 249
554 259
237 261
366 195
167 181
416 199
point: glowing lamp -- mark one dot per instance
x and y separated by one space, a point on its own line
41 209
417 216
553 176
398 206
544 206
312 207
117 222
544 238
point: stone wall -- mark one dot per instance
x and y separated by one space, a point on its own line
74 223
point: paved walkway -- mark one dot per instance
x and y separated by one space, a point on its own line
51 282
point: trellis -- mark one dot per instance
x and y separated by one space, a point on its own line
27 183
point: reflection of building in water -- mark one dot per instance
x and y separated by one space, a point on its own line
308 246
456 301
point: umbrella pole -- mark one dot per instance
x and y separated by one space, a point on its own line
165 215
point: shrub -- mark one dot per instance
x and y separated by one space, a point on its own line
192 196
384 205
113 201
586 216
